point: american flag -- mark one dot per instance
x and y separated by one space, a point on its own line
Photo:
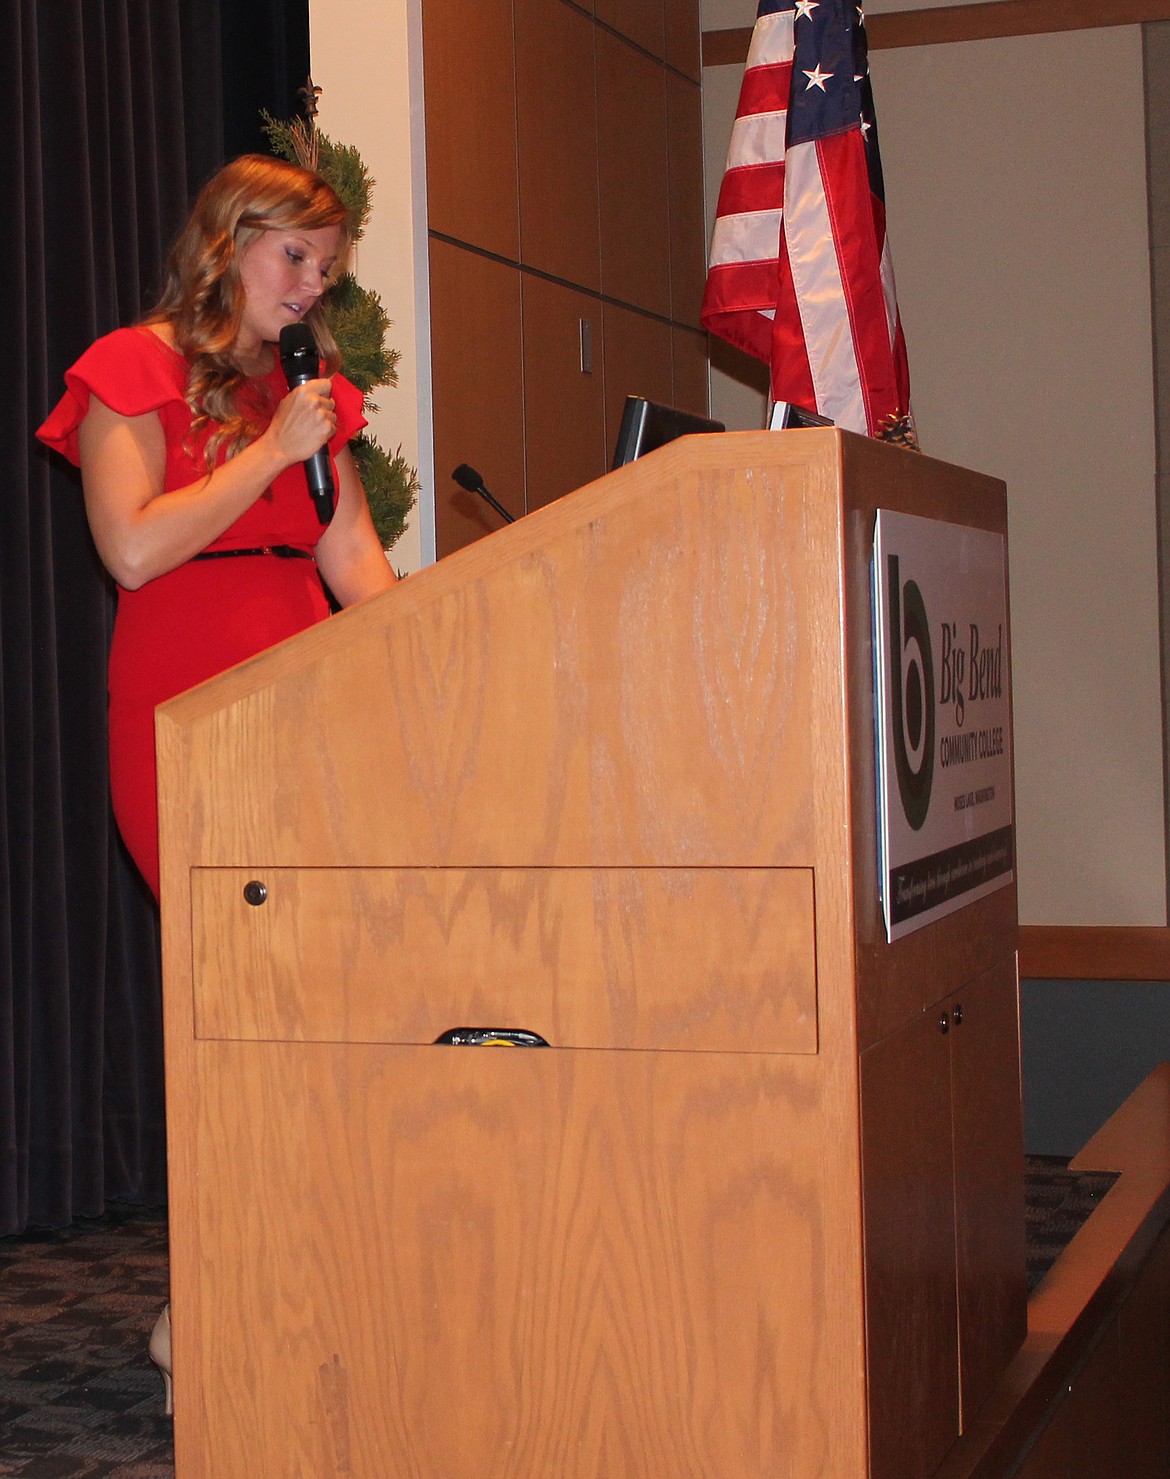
801 275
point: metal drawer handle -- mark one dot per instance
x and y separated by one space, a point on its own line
490 1037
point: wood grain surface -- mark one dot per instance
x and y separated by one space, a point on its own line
609 769
586 958
592 687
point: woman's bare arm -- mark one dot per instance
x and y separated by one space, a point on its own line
139 533
352 562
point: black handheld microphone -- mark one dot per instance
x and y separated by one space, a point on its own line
468 478
299 361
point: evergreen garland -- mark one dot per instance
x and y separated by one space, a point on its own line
357 321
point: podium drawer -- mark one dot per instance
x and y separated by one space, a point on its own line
709 959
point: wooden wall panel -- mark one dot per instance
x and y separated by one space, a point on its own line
635 221
566 150
638 353
469 75
692 371
564 412
688 257
557 112
478 389
643 21
683 43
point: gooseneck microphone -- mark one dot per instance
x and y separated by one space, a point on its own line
300 362
469 479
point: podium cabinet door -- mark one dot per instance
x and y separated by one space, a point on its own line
908 1198
989 1180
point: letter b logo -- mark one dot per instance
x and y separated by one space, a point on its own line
911 695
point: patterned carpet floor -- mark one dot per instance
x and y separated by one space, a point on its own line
80 1400
1057 1202
78 1397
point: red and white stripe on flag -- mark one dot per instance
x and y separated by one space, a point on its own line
800 273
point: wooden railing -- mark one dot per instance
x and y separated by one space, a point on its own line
945 23
1086 1395
1094 953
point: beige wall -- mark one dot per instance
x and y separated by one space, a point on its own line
1020 236
739 386
1018 222
367 58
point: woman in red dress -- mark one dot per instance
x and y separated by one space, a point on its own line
191 450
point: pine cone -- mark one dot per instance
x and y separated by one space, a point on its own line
900 431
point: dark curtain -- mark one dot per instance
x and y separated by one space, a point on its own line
265 48
116 111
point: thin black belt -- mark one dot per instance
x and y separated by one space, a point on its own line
281 551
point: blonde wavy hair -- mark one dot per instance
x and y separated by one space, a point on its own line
203 298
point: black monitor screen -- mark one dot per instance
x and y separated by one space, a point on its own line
647 425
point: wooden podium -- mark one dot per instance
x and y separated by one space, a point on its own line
607 776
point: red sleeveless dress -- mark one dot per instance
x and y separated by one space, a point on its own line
207 615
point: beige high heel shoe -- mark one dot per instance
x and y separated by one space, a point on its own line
159 1351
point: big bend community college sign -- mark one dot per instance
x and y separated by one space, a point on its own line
943 717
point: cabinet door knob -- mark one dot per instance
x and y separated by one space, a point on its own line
944 1022
958 1014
